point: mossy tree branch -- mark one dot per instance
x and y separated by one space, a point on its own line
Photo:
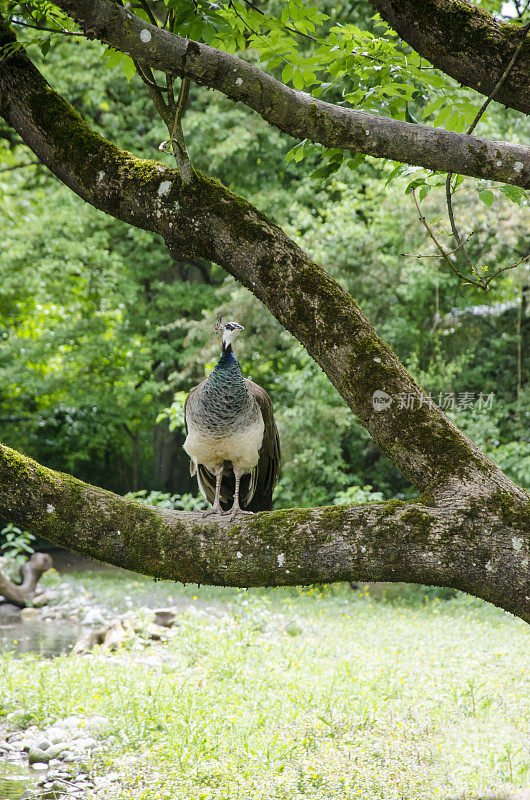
297 113
420 541
466 42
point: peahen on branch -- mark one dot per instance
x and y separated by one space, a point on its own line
232 439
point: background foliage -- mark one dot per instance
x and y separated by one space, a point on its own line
101 331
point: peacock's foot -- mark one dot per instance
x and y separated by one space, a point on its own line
213 510
235 512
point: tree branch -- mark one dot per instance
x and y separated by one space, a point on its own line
390 541
465 42
297 113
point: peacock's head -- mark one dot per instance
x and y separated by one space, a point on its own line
230 331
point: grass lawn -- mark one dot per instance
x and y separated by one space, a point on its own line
321 693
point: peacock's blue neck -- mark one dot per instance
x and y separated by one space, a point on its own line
227 371
227 359
225 397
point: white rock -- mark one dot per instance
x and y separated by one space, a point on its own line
93 617
87 743
30 614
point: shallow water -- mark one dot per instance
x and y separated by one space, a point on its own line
48 639
15 779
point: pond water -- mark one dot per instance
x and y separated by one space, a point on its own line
15 779
48 639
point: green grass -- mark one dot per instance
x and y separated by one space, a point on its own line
291 694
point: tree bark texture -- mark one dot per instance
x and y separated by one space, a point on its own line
297 113
465 42
470 527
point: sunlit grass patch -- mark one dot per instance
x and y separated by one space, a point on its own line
315 694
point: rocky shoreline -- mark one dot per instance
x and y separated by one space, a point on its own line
56 755
60 757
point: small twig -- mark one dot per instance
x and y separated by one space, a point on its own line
169 111
481 282
445 254
485 104
62 31
431 255
454 229
505 269
178 143
146 79
147 9
154 90
170 81
168 22
20 166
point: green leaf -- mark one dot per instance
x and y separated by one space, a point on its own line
139 12
296 153
287 72
354 162
514 193
298 80
451 123
414 185
433 106
436 81
440 119
325 170
128 68
45 46
114 57
487 197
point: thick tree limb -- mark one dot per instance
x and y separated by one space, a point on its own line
297 113
433 543
465 42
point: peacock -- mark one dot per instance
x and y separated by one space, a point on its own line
232 439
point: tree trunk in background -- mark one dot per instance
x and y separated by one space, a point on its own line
171 462
20 594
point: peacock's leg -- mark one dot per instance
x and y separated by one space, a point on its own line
236 508
216 508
